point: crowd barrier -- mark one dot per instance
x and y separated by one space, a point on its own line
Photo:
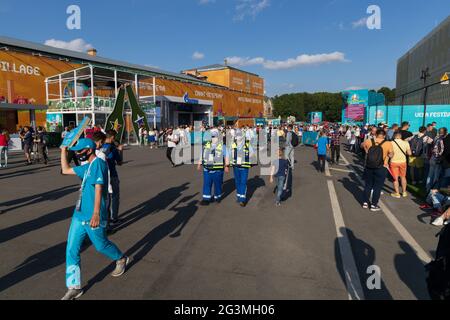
310 138
414 114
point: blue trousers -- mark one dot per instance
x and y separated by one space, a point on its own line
433 175
281 181
240 179
114 199
211 178
78 231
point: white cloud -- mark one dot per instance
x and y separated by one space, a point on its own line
202 2
301 60
360 23
75 45
250 8
198 55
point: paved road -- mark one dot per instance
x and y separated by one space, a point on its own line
318 245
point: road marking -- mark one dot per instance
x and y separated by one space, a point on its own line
409 239
345 161
342 170
327 169
352 280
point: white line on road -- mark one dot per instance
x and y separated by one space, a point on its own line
409 239
345 160
342 170
352 280
327 169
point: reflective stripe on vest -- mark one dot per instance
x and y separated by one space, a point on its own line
245 163
217 154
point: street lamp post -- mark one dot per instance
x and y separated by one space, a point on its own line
424 77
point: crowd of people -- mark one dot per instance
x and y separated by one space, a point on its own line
421 159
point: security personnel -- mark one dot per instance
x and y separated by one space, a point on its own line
214 164
241 163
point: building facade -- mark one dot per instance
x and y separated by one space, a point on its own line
61 87
432 53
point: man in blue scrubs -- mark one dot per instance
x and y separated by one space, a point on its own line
90 215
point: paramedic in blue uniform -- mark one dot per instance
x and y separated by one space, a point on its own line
214 164
90 215
239 154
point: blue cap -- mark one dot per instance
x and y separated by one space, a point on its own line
84 144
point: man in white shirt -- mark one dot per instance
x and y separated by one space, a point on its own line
172 141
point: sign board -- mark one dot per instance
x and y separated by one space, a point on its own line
73 136
445 78
15 143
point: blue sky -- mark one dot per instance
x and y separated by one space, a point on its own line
261 36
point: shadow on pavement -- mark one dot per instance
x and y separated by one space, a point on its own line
158 203
252 185
364 255
35 224
24 172
34 265
410 268
37 198
172 227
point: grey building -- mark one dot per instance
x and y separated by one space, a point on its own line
431 52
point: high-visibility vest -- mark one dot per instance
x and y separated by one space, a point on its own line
236 160
213 159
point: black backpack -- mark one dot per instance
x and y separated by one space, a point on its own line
374 158
294 140
416 145
438 271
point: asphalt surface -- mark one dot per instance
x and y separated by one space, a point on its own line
180 250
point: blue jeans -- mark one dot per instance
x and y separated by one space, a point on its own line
281 180
77 233
433 175
211 178
438 200
374 179
240 179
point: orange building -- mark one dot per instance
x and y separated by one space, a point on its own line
42 85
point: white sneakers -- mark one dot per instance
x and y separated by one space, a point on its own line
439 222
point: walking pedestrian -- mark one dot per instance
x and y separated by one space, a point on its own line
4 143
27 139
399 164
280 172
436 160
40 141
172 141
90 216
214 161
378 152
241 163
323 146
114 157
335 146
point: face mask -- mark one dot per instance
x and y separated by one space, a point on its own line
215 140
82 157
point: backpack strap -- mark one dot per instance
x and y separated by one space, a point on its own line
401 149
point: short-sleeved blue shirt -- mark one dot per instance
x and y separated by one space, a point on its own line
97 174
322 146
